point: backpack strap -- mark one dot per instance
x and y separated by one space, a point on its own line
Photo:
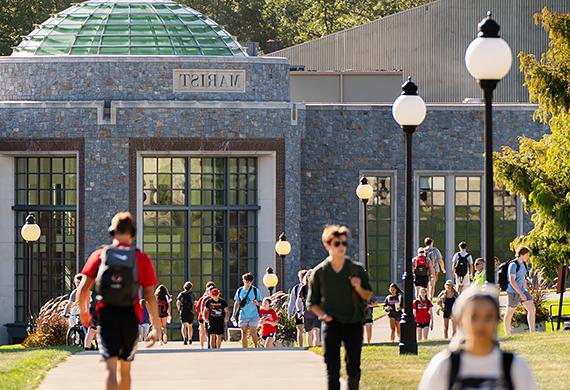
507 364
455 360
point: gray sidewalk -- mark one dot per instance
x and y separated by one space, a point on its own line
175 366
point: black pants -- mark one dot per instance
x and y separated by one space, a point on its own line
335 333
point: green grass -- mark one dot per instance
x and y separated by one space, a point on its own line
24 368
548 354
565 311
378 312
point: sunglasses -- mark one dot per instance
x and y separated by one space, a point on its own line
339 243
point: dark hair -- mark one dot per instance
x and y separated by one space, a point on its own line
463 245
248 277
398 291
428 241
522 250
161 291
78 277
123 223
188 286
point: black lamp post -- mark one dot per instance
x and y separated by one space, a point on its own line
364 191
488 58
409 110
30 232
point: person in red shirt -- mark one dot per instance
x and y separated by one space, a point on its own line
268 320
118 324
424 314
200 310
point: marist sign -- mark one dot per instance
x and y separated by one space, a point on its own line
208 80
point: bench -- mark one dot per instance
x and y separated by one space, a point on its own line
554 317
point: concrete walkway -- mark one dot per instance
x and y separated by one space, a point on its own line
175 366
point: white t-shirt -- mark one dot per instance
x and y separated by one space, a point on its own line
436 375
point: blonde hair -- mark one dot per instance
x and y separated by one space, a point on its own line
333 231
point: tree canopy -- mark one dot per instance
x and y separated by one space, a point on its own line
539 171
287 22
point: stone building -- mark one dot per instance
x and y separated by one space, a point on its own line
150 106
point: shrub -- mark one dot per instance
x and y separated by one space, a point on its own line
50 328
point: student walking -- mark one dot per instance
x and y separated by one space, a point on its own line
480 274
268 320
462 266
185 302
517 290
164 310
422 269
424 315
445 300
311 323
200 309
216 314
119 270
293 312
338 291
144 324
436 260
393 306
368 321
474 359
246 306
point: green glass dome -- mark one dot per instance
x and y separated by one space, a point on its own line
129 27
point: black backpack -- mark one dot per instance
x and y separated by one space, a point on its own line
473 383
503 273
117 278
186 301
462 265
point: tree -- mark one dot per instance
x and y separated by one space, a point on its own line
539 171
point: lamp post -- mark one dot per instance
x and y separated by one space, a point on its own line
409 111
282 248
30 232
488 59
364 191
270 280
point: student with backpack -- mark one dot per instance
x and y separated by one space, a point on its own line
185 305
393 306
445 300
474 359
338 293
164 310
247 301
517 291
118 271
438 264
311 323
424 314
199 306
462 265
422 270
293 311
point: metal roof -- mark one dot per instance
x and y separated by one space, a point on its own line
129 27
429 43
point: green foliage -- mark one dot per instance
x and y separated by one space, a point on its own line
539 171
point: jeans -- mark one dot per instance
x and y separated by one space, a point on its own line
335 333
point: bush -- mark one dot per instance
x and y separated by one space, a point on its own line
50 328
286 329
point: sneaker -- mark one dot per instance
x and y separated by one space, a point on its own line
164 338
185 342
189 342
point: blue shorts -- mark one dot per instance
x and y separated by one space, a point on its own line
251 322
515 299
268 336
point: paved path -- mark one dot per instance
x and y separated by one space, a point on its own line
175 366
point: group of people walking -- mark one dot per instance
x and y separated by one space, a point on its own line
334 300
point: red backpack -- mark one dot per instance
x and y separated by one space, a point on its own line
422 266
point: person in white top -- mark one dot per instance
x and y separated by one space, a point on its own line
462 265
474 359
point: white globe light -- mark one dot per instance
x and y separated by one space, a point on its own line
31 232
409 110
364 191
270 280
488 58
283 248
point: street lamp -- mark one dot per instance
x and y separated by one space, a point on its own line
30 232
488 58
282 248
270 280
409 110
364 191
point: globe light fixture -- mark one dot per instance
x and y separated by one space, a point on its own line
270 280
282 248
30 232
364 192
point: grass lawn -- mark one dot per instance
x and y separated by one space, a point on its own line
547 353
378 312
22 368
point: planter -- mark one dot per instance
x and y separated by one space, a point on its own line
234 334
